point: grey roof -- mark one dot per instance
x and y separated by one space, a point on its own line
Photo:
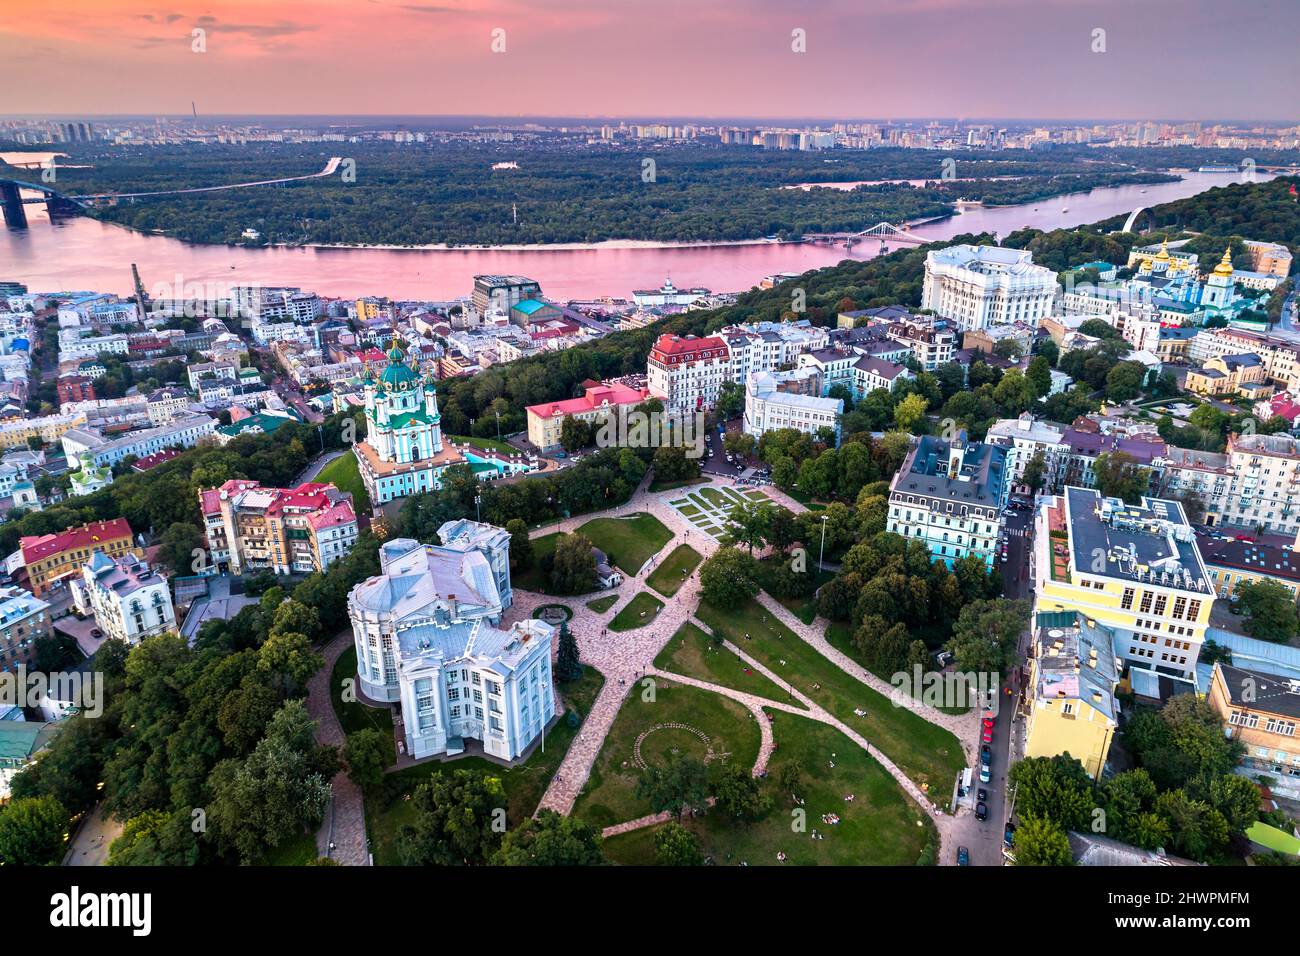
1089 849
1150 542
1077 662
1255 690
979 481
417 577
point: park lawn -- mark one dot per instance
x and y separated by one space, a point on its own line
601 605
676 568
609 796
693 653
630 618
354 715
487 444
532 578
628 542
524 783
839 635
930 755
880 827
298 850
343 474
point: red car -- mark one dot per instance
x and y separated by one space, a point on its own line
986 731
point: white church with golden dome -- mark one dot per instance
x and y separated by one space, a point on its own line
403 453
1175 277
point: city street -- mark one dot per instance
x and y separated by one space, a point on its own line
1019 527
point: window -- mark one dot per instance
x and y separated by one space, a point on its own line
1145 605
1161 602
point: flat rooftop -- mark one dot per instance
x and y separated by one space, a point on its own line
1151 542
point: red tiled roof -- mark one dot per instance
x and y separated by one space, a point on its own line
37 547
154 460
340 513
596 396
678 345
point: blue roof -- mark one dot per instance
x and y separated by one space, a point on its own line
529 306
1280 660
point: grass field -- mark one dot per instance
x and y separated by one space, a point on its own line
354 715
524 784
928 754
488 444
668 578
610 794
879 827
298 850
342 473
693 653
640 611
603 604
628 542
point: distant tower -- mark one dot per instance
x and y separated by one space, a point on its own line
194 109
514 213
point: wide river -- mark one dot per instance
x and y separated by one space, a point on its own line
81 253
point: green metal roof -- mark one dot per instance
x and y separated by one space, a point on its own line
529 306
407 419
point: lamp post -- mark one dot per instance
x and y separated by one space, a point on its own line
478 499
498 426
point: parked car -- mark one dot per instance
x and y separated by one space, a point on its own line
963 856
96 633
1009 834
981 811
981 795
986 755
986 732
985 776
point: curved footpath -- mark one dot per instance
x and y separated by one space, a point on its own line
624 657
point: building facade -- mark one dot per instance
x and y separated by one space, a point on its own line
129 599
1135 569
768 407
950 495
686 372
599 401
979 286
23 619
1071 706
1260 711
282 530
426 638
50 559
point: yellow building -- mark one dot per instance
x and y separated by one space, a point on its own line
48 428
598 402
1262 712
1135 569
49 559
1230 375
1071 706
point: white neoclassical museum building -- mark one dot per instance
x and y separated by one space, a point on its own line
426 638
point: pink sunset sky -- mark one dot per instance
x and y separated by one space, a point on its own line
1188 59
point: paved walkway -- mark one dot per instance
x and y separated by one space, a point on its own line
625 657
342 835
965 727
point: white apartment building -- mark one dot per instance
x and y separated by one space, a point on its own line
1265 489
686 372
978 286
165 404
767 408
1025 437
184 432
129 599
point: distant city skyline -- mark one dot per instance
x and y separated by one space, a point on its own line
1034 60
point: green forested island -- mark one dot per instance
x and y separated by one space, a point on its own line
450 192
